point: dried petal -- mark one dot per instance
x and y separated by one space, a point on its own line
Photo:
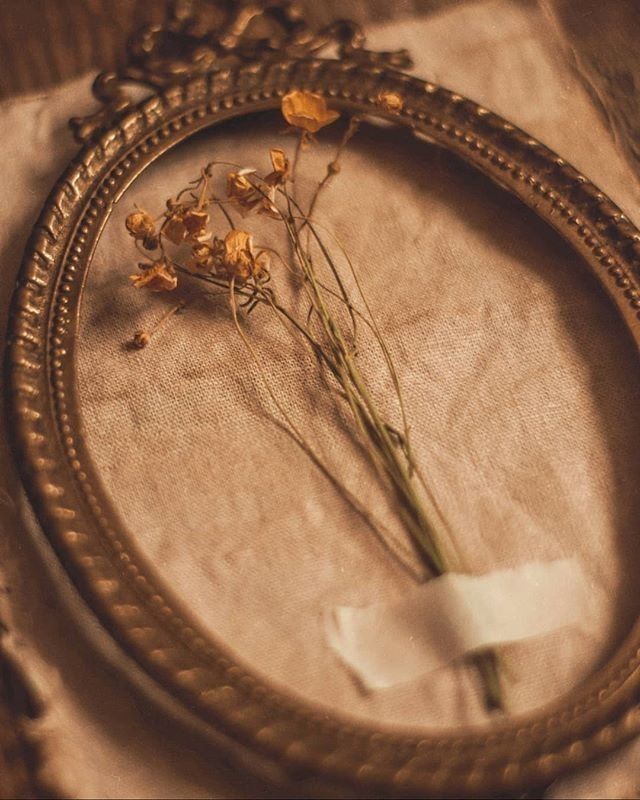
279 161
202 259
158 277
174 228
236 245
280 164
307 110
240 189
268 205
237 261
189 225
195 221
140 225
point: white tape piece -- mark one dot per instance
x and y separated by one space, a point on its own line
444 619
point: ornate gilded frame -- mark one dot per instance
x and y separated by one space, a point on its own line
218 75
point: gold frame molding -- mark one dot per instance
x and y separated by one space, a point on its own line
120 142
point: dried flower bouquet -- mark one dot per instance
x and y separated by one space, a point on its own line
181 245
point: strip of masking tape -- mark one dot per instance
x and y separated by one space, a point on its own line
450 616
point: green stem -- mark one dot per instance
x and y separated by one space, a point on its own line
391 462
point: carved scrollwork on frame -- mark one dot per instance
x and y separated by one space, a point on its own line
184 46
202 76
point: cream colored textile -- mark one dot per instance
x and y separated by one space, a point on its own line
100 738
520 384
600 42
501 343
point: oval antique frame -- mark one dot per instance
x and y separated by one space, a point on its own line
93 544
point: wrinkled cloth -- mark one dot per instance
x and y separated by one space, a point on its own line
519 379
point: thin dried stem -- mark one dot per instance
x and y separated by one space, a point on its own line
330 330
333 167
142 338
305 446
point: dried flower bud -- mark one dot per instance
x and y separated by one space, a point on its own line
141 339
307 111
158 277
391 101
140 225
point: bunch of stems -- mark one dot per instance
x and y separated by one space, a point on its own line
331 330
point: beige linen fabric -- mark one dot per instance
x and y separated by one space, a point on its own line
519 379
600 44
99 737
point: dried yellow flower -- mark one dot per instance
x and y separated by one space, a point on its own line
307 110
189 225
195 221
391 101
237 242
238 259
158 277
140 225
267 204
248 197
242 191
234 258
